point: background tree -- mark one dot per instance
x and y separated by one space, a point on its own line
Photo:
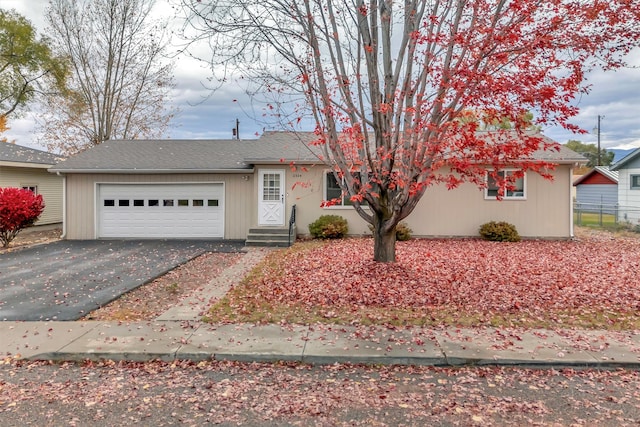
386 82
27 65
19 209
3 129
590 151
119 85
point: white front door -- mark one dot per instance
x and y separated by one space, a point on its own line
271 197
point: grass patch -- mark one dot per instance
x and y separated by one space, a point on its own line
594 219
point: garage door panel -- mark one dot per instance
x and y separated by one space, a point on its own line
161 210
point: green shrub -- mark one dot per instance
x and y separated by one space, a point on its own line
499 232
403 232
329 227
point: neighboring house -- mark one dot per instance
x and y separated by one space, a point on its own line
237 189
25 167
628 169
597 190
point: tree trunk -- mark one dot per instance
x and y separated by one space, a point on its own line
384 244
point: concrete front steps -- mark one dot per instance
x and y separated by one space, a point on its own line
270 237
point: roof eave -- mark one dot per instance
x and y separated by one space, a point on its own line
9 163
284 162
152 171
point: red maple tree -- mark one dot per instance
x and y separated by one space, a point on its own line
19 208
399 90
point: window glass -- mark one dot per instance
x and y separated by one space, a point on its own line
183 202
197 202
167 202
271 187
154 202
32 188
109 202
138 202
212 202
123 202
517 192
333 191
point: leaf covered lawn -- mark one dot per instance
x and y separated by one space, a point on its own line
593 281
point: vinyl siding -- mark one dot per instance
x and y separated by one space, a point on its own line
628 198
49 186
596 194
545 213
81 199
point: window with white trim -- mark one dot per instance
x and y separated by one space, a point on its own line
32 188
518 190
635 182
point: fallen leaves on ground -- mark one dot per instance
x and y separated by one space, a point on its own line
30 237
231 393
591 281
151 300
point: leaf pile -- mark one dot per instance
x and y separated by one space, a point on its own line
589 282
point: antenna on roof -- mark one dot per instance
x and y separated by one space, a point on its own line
236 130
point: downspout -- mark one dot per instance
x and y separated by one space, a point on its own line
571 233
64 205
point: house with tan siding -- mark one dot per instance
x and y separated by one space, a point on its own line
246 189
25 167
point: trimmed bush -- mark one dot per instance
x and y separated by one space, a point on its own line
403 232
329 227
499 232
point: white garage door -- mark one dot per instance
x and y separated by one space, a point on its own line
161 210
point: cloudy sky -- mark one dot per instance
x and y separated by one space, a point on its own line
614 95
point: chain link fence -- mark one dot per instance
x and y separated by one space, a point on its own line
606 215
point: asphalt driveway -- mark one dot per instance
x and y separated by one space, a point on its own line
67 279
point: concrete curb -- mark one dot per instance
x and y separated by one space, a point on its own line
317 344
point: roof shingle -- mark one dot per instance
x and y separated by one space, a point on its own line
166 156
17 153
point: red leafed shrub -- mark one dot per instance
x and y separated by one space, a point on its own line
18 209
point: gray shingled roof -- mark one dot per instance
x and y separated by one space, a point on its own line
169 155
166 156
18 154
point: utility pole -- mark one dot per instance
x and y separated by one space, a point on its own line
599 117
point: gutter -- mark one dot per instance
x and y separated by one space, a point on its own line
151 171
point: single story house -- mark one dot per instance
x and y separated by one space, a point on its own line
628 169
25 167
597 190
238 189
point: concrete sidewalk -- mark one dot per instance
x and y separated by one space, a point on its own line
178 334
318 344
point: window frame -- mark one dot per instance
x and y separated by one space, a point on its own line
31 187
325 188
634 177
505 196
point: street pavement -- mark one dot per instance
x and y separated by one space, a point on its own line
179 334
